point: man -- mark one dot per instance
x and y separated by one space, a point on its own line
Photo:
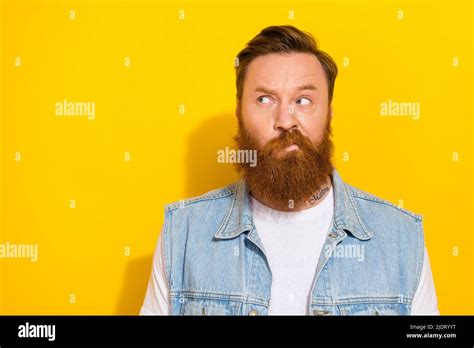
291 237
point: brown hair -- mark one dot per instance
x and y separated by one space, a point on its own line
283 39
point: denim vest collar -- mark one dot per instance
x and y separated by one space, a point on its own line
238 218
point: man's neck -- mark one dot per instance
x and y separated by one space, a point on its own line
316 198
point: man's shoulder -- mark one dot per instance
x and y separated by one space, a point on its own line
219 194
377 207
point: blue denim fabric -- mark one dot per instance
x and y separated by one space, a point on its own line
215 262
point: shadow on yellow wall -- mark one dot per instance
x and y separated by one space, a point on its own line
203 173
137 273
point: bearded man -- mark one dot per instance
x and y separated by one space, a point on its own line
291 237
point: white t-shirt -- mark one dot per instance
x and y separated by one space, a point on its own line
293 242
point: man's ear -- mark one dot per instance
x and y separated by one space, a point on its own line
237 108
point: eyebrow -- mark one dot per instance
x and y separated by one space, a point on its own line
262 89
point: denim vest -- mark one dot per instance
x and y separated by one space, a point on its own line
215 262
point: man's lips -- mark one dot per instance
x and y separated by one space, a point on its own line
292 147
283 150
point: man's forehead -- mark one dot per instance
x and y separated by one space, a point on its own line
293 72
278 83
297 62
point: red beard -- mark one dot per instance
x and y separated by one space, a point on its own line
287 179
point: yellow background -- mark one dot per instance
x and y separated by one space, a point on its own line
83 265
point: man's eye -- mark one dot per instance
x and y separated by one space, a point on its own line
303 101
263 99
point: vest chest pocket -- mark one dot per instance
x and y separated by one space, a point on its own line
209 306
375 309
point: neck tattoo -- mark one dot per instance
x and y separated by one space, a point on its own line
318 195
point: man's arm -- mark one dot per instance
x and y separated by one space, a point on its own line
157 296
425 301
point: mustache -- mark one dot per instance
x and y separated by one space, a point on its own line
287 138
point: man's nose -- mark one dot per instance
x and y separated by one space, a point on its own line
285 118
